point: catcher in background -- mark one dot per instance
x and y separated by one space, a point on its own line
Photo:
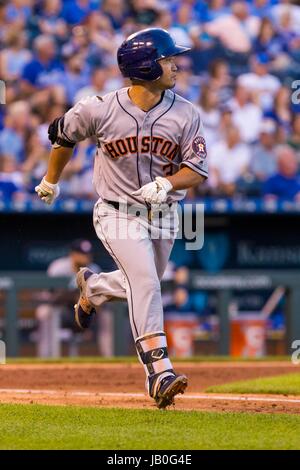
54 311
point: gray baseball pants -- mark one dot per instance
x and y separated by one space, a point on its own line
141 251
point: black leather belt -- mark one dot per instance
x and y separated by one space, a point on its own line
115 204
138 209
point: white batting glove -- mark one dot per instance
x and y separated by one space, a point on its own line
155 192
47 192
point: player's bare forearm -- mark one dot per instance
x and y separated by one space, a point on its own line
185 178
58 159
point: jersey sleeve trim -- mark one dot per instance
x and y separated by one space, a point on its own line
194 167
67 142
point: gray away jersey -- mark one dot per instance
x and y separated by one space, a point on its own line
135 146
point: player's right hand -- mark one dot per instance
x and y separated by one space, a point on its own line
155 192
47 192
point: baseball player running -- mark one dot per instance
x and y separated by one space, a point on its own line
150 150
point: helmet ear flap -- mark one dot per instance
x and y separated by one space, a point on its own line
154 70
148 72
158 70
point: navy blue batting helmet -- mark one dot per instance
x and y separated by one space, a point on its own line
138 55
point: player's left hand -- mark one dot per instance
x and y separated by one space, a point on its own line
47 192
155 192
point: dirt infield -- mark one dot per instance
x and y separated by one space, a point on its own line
122 385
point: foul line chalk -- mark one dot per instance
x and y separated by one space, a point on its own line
187 396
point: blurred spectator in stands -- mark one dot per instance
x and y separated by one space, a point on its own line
11 180
18 12
4 27
263 161
205 48
40 77
51 22
74 77
42 70
187 85
219 80
216 9
286 7
78 42
13 59
285 183
115 10
275 47
102 38
184 19
281 110
229 160
294 139
260 81
186 13
57 307
97 85
178 33
143 13
285 25
76 11
14 136
246 115
260 8
235 30
15 56
182 302
290 36
114 80
210 114
225 120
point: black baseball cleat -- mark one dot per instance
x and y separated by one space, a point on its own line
168 387
84 311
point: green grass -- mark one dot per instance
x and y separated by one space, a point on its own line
288 384
55 427
132 359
